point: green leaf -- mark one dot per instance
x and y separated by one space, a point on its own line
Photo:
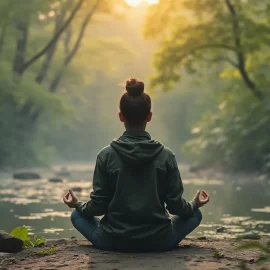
28 244
39 241
46 252
262 259
218 254
21 233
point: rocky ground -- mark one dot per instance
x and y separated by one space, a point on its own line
191 254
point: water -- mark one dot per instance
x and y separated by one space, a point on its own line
237 205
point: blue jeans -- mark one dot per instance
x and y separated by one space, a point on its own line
90 229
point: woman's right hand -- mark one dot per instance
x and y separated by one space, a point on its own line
70 202
201 202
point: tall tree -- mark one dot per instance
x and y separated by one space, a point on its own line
53 39
208 31
38 39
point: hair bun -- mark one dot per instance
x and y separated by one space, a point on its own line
134 87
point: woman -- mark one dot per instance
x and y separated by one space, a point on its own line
136 183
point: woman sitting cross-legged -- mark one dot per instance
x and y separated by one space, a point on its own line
136 185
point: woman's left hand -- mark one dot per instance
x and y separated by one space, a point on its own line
70 202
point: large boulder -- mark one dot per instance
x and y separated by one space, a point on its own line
26 176
10 244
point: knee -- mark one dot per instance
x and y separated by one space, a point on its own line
198 215
74 216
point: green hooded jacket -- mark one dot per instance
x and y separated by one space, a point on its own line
136 183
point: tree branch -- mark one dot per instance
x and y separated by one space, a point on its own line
68 35
51 51
81 34
55 82
21 45
239 52
205 47
222 58
67 38
2 36
53 40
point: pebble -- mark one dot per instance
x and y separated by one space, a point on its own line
201 238
220 230
50 260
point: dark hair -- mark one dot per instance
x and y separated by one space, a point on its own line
135 105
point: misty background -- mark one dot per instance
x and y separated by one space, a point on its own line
63 66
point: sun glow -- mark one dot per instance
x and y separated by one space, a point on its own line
134 3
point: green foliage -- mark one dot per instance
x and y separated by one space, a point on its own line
23 234
39 241
230 40
198 34
218 255
265 248
46 252
234 135
30 109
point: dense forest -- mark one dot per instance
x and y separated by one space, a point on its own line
63 63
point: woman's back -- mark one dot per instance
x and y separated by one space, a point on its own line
136 169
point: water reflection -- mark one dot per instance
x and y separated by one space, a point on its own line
236 206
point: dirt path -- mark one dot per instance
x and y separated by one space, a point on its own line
191 254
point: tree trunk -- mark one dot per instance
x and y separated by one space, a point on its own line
239 52
56 80
53 40
67 38
2 36
28 110
51 51
21 46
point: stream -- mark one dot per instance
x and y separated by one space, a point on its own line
237 205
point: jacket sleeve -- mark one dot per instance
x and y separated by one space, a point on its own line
176 204
101 196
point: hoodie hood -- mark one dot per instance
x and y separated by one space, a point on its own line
136 148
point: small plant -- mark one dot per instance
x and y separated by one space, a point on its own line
23 234
265 248
46 252
218 254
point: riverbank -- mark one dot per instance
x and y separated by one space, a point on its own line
191 254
